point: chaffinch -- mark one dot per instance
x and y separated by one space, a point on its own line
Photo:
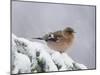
59 40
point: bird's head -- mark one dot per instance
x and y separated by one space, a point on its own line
69 30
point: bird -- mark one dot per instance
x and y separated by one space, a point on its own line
59 40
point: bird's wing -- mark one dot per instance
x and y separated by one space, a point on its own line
53 36
58 34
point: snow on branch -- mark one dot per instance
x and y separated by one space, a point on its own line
30 57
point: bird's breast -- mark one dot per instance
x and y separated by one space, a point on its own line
60 45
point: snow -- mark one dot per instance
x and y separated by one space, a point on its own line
30 57
20 62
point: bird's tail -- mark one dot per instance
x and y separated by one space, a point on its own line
38 38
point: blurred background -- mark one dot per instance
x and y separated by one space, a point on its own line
32 19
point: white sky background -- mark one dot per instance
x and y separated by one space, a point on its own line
36 19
